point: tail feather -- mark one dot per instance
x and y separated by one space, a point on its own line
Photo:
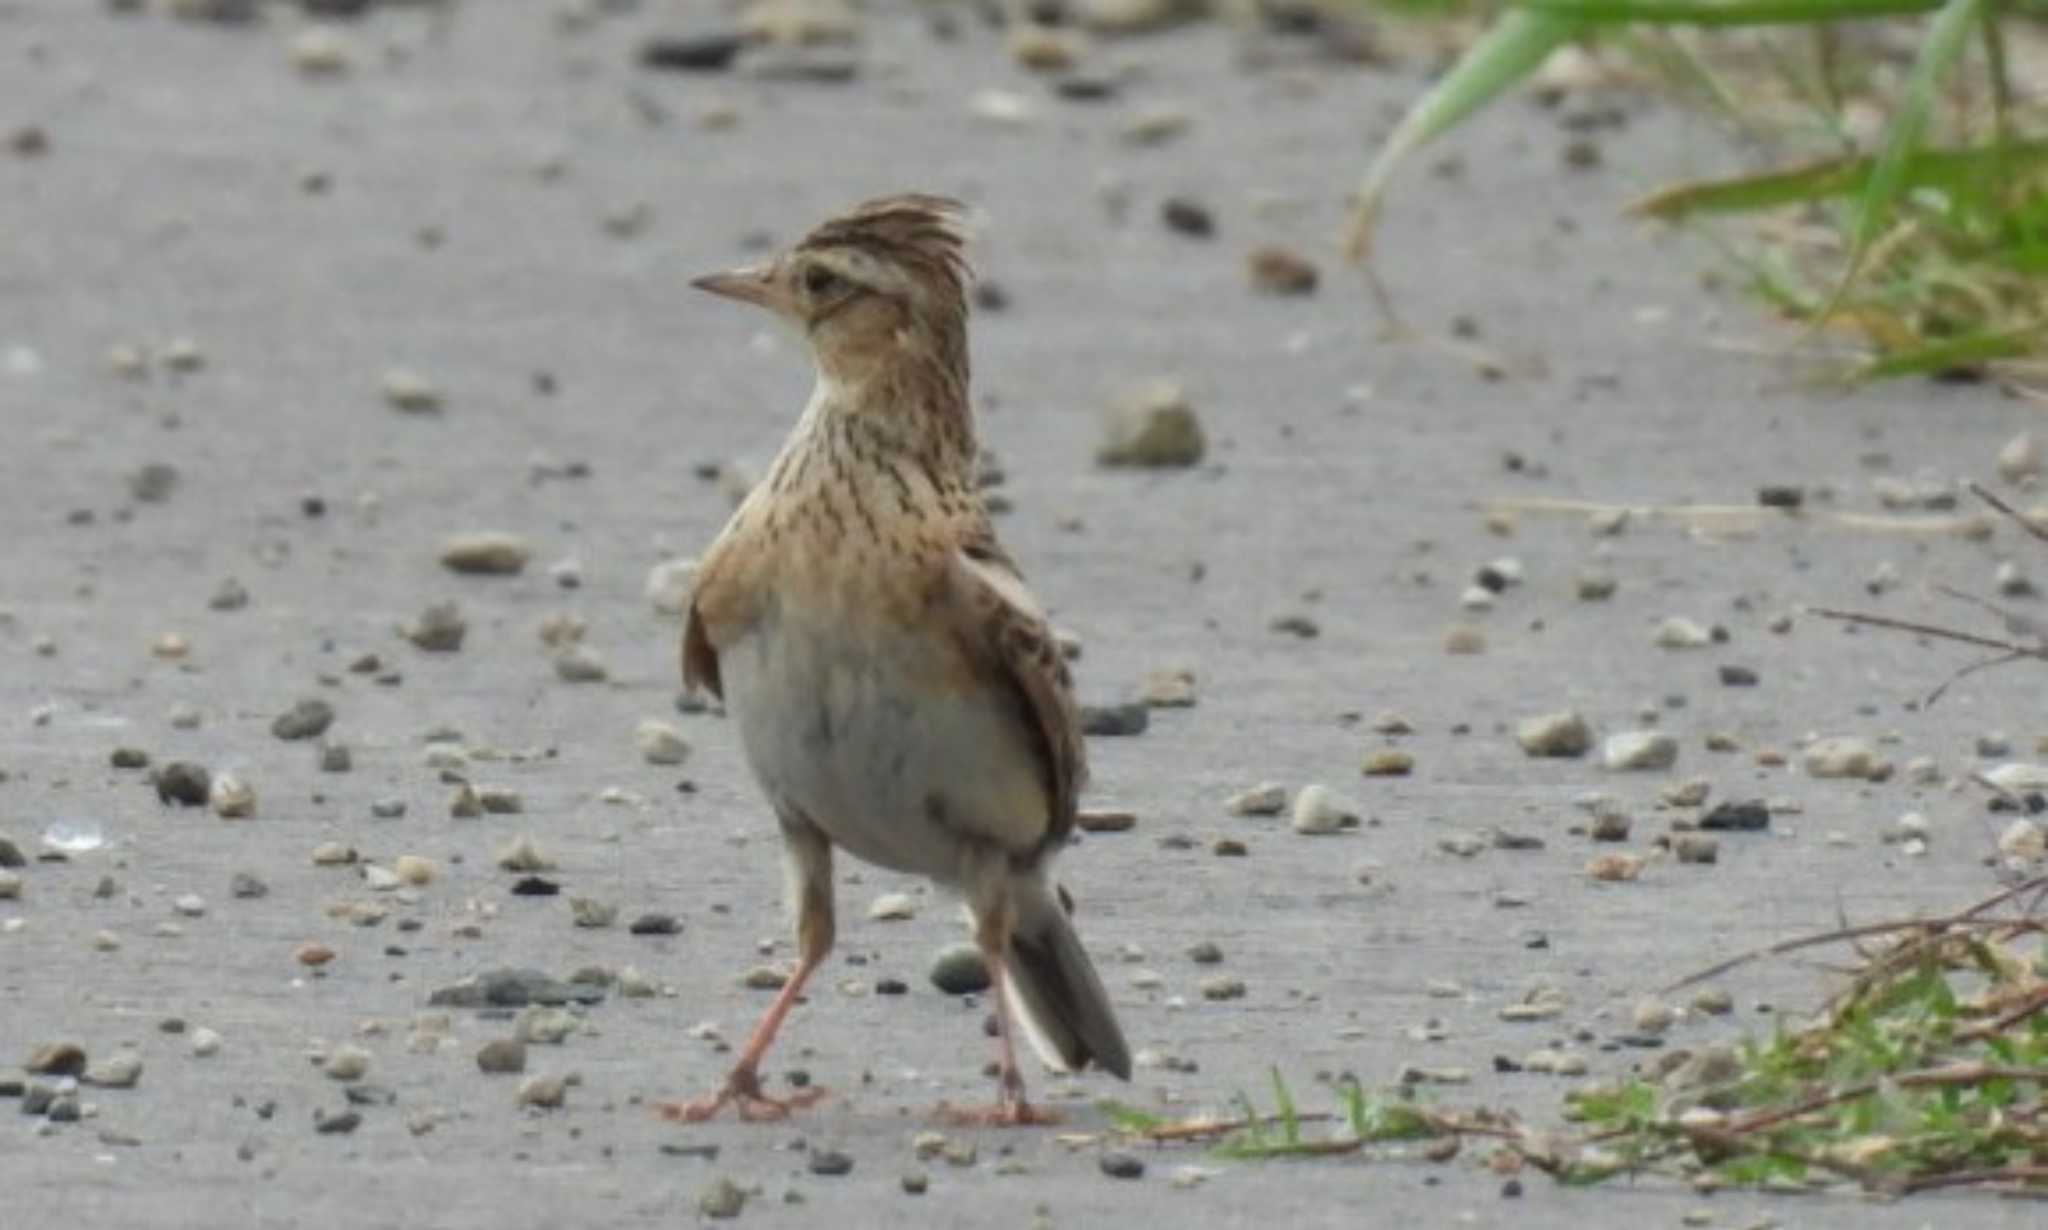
1064 1008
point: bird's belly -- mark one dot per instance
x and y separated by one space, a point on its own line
879 741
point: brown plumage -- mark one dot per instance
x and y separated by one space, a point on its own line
896 688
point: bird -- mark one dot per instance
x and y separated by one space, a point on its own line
897 690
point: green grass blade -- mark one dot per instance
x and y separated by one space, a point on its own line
1725 12
1946 37
1830 178
1509 51
1956 352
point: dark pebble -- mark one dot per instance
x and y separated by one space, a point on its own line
1086 88
1511 1190
831 1162
694 53
1781 495
129 758
307 719
1187 217
655 924
1122 1166
1738 677
891 986
1129 718
535 886
183 783
246 884
1747 816
10 854
340 1124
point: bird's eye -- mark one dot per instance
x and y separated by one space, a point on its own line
820 281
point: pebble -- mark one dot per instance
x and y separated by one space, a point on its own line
1318 810
1169 689
336 1123
1205 952
387 809
1554 734
765 978
722 1200
11 855
486 553
1003 108
1594 585
590 913
1264 799
1275 270
246 885
2023 841
1156 125
2020 459
320 51
313 954
2012 581
581 664
120 1071
440 628
1464 639
414 870
1678 632
655 924
184 783
410 392
334 854
465 803
830 1163
1615 867
191 905
1652 1015
380 879
1097 821
1152 426
1552 1062
544 1025
501 1055
1114 721
232 798
10 885
306 719
1389 762
346 1063
545 1092
1222 987
1296 625
1634 750
336 758
669 585
205 1042
1840 756
959 969
523 854
1186 216
1696 849
153 483
1120 1165
1043 49
56 1059
696 53
660 743
501 800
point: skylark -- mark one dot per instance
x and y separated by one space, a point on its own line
896 688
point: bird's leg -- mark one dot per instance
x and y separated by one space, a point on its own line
810 880
992 926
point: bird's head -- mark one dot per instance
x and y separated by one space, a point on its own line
883 280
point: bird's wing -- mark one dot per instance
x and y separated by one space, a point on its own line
722 606
1006 635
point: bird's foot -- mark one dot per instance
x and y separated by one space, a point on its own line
743 1092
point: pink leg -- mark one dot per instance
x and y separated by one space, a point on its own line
1011 1108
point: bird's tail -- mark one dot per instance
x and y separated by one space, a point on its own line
1062 1004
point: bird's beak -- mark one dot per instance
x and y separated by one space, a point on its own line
754 284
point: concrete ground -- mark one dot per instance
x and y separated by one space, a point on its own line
512 209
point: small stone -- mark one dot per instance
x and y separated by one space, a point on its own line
1464 639
1737 816
334 854
959 969
439 628
465 803
205 1042
414 870
229 595
1120 1165
1652 1015
1205 952
129 758
1696 849
1635 750
313 954
592 914
307 719
1113 721
1692 792
501 800
501 1055
410 392
1153 125
1555 734
655 924
387 809
1738 677
1389 762
486 553
1043 49
1296 625
1002 108
1222 987
660 743
830 1163
915 1183
232 798
1169 689
120 1071
2023 841
581 664
722 1200
523 854
1153 426
191 905
1275 270
1610 824
153 483
10 885
1845 756
1095 821
2012 581
1264 799
246 886
1615 867
543 1025
337 1123
184 783
1678 632
544 1092
1594 585
56 1059
1186 216
1319 811
320 51
346 1063
2020 459
669 585
698 53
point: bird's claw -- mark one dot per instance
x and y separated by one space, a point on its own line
743 1092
